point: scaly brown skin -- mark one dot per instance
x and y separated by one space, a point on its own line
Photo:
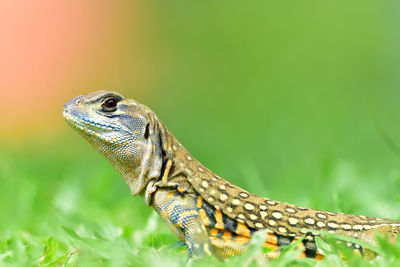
211 215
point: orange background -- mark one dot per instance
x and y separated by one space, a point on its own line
51 51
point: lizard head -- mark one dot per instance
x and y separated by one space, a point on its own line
126 132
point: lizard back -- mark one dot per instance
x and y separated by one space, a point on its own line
200 207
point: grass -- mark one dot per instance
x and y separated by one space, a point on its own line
276 98
62 204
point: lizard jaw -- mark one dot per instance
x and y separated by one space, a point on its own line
89 127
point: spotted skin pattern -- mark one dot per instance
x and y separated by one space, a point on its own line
209 214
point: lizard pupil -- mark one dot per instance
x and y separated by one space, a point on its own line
110 104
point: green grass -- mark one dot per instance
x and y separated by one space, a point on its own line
62 204
278 98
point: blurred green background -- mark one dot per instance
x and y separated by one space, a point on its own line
296 101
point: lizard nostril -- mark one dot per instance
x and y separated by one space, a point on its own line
79 102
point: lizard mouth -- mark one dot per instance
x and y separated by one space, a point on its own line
87 126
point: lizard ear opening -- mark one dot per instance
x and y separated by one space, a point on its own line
147 132
159 137
163 139
157 132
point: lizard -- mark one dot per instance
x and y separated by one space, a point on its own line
209 214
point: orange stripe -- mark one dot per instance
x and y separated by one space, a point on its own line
241 240
199 202
273 254
302 254
218 218
204 217
271 246
227 236
300 245
242 229
214 232
271 238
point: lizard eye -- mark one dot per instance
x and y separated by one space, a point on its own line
110 104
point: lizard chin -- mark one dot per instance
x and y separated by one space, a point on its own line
138 162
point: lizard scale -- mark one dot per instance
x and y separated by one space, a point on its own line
209 214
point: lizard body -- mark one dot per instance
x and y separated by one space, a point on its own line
209 214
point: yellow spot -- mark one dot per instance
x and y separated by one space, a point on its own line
272 222
263 207
201 169
180 190
244 194
270 202
309 221
236 201
204 184
241 216
321 224
346 226
293 220
253 217
259 225
222 187
229 209
282 229
357 252
277 215
263 214
332 225
249 206
291 210
223 197
321 216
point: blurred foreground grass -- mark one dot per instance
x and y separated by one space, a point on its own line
277 98
61 203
